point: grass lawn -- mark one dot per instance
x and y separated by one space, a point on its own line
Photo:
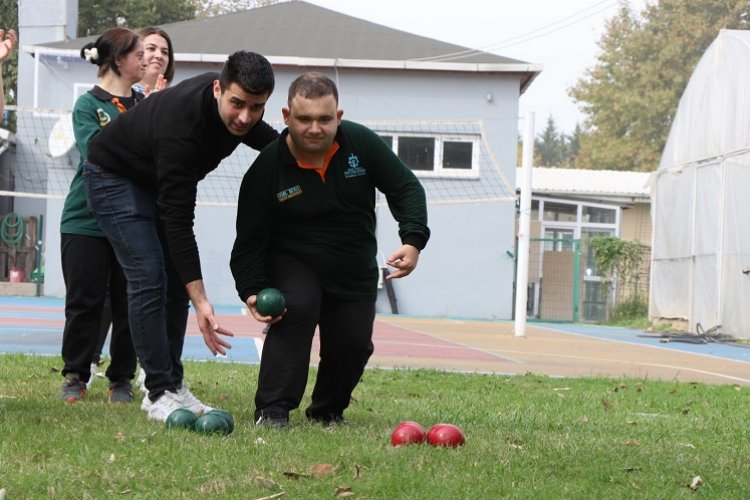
526 437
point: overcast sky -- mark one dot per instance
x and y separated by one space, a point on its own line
560 35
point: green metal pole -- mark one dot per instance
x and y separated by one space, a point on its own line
576 278
38 259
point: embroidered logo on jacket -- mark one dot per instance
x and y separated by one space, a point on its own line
289 193
354 170
104 117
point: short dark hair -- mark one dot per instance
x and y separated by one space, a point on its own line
312 86
111 45
155 30
250 71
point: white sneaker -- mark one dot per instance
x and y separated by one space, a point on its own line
191 402
140 380
92 376
164 406
146 403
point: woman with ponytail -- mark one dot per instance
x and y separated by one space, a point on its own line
90 269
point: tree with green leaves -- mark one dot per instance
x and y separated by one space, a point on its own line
555 149
549 147
96 16
631 94
9 19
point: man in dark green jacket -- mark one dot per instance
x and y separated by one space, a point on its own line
306 225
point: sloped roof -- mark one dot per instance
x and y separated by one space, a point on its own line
588 183
299 32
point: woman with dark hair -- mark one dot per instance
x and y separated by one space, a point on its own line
158 54
90 268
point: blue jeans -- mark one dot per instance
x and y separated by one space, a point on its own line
157 299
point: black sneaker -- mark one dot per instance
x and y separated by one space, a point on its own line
326 418
273 419
73 389
120 392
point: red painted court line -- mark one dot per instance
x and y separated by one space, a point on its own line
389 340
32 322
31 309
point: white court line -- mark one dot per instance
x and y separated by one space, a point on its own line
637 363
258 346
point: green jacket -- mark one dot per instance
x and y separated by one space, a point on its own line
92 111
329 223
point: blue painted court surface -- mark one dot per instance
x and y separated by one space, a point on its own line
630 336
34 325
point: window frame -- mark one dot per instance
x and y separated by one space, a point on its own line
438 170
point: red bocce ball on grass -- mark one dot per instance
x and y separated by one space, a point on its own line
407 432
448 435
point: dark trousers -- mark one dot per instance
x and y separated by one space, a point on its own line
345 329
91 272
157 299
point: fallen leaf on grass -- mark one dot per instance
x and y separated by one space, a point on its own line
695 483
606 405
357 471
295 475
322 469
688 445
120 437
632 442
111 459
265 482
561 389
148 438
3 491
513 443
584 419
343 491
631 469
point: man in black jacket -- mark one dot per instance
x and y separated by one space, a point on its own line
306 225
141 179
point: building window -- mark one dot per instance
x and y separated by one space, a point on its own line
599 215
558 239
560 212
437 155
457 154
417 152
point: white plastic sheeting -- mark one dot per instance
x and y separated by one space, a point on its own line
701 196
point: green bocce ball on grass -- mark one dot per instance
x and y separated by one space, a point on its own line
211 423
226 416
181 419
270 302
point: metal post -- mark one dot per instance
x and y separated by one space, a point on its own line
524 223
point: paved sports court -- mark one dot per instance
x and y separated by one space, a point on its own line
34 325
